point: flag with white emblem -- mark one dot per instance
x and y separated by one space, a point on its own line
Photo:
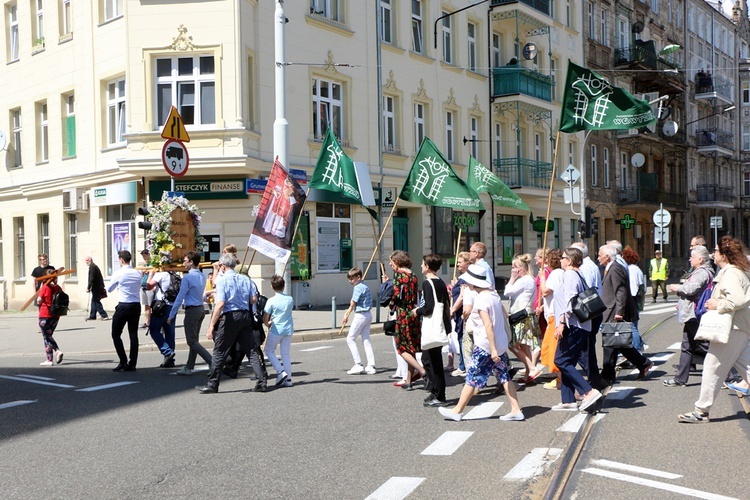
335 171
481 180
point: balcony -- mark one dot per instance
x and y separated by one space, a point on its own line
664 75
540 5
713 193
711 140
632 195
514 80
709 86
523 172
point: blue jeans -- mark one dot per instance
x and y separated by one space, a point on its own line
566 357
96 307
165 341
637 340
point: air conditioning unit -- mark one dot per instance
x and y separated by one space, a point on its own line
75 200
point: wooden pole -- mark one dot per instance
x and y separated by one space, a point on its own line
549 198
458 246
380 252
299 218
252 256
243 260
377 244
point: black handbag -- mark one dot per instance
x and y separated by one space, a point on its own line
587 304
517 317
617 335
389 325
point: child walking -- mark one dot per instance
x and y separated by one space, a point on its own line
361 303
277 316
48 322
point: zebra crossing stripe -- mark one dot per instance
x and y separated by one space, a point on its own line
396 488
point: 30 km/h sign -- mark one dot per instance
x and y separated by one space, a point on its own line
175 158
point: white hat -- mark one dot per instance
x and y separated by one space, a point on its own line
476 275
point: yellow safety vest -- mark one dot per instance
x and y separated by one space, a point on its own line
659 272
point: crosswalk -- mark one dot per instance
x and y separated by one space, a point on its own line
654 308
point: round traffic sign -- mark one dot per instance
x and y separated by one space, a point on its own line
662 218
174 156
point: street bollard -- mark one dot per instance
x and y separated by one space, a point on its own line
333 312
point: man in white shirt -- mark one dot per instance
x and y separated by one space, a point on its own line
477 252
128 311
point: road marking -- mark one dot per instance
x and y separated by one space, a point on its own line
17 403
484 410
316 348
40 382
662 310
635 468
106 386
574 424
35 377
677 346
533 464
448 443
661 358
619 392
396 488
656 484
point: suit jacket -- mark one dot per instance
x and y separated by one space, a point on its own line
96 281
616 295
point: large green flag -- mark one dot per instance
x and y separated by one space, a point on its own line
590 102
335 171
481 180
432 181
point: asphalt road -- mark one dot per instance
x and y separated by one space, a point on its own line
335 436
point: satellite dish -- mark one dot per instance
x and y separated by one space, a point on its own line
669 128
529 51
637 160
3 140
637 27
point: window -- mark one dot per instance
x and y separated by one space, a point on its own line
571 154
745 192
498 140
330 9
568 14
553 72
605 152
327 108
15 115
72 250
745 93
38 27
189 84
594 176
537 147
2 272
655 6
623 33
474 136
44 233
745 137
112 9
42 152
20 257
252 106
116 112
449 135
624 170
389 125
13 52
69 125
416 26
386 27
590 17
472 41
120 228
604 27
334 224
66 18
419 124
509 237
447 40
497 52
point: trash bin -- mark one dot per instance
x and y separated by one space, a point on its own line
301 295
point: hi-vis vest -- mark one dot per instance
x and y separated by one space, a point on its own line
659 273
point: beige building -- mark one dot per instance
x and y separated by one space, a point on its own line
87 88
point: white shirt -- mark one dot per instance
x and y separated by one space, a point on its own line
128 282
554 283
489 301
163 279
591 274
636 279
522 293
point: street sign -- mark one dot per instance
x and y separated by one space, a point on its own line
175 158
570 174
717 222
572 195
661 235
662 218
174 127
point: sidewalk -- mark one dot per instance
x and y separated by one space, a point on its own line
19 332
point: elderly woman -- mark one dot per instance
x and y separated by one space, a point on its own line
689 292
729 295
637 280
549 285
521 289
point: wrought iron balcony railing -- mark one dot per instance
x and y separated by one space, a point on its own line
511 80
631 195
523 172
713 193
540 5
714 137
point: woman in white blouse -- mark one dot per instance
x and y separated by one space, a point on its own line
521 289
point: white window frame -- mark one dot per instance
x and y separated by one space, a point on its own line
386 22
119 215
2 267
471 40
72 244
497 50
537 147
590 18
745 137
116 92
623 33
328 104
39 25
604 28
655 6
43 117
390 140
20 258
624 170
66 16
330 9
337 223
474 136
498 140
179 85
450 119
605 151
568 14
553 72
594 173
43 221
420 131
17 125
745 192
571 154
447 31
417 38
14 53
113 9
745 93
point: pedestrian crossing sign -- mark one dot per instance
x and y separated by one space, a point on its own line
174 127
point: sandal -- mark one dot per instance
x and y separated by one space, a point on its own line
694 417
400 383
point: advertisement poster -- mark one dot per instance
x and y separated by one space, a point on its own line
299 261
329 238
120 241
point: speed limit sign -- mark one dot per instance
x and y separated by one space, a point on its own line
174 156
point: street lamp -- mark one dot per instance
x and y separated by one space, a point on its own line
721 112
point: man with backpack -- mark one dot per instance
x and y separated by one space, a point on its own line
166 285
52 303
690 293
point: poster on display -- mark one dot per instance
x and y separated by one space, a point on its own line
329 238
299 261
120 241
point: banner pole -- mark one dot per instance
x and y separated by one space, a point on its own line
380 238
380 251
299 218
549 198
458 247
243 261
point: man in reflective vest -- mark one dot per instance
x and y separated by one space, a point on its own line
658 271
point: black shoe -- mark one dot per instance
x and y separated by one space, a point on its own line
168 361
512 372
129 368
120 367
434 402
230 373
207 389
260 388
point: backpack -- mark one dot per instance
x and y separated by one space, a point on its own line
700 306
175 281
60 303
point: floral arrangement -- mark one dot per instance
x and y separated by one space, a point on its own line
159 238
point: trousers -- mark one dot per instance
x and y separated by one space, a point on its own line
193 321
234 326
126 313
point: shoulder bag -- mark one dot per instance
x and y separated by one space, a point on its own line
433 328
389 325
587 304
715 326
617 334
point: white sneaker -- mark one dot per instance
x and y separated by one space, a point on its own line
287 383
513 417
370 370
356 370
281 378
565 407
449 415
589 400
458 373
58 357
46 363
184 371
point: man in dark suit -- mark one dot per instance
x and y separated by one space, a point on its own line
97 290
620 307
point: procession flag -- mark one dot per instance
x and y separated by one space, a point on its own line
590 102
482 180
335 171
432 181
280 206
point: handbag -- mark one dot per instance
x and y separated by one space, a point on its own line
158 308
587 304
389 325
104 294
433 328
617 335
715 326
518 316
